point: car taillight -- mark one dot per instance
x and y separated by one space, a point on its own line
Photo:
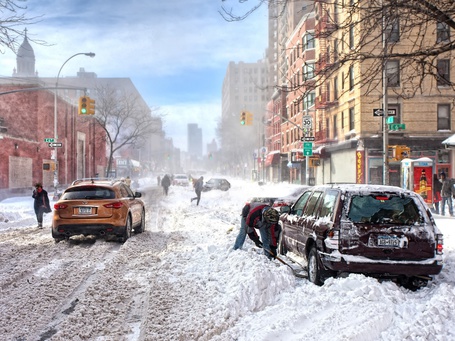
332 239
60 206
439 244
114 205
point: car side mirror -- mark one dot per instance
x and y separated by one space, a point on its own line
137 194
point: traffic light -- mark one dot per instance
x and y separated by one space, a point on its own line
246 118
398 153
243 118
83 105
91 106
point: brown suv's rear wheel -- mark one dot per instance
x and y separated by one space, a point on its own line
314 271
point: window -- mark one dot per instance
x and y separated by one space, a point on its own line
335 126
392 31
342 120
442 32
443 67
309 100
393 73
351 118
351 77
308 41
300 204
335 89
443 116
308 71
312 204
328 204
328 97
351 37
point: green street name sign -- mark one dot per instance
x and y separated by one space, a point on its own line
49 139
307 148
397 126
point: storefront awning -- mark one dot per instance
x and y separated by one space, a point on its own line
449 142
273 158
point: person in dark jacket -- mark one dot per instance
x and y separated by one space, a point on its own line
447 192
165 183
198 189
437 187
41 203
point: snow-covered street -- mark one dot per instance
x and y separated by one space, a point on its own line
181 280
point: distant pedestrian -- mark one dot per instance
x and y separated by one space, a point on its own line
447 191
437 187
41 203
165 183
198 189
158 180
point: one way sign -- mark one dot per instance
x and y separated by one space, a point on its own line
380 112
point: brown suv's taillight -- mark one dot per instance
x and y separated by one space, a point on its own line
439 244
114 205
60 206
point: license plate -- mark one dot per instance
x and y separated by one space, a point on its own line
388 241
85 210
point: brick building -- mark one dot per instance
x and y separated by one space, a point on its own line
27 119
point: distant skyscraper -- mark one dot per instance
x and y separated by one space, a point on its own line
194 140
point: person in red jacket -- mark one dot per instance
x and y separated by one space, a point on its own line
265 218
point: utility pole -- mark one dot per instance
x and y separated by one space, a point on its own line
385 106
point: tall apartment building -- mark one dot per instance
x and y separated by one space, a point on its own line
194 140
342 96
244 88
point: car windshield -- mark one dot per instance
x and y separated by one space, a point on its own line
91 192
383 209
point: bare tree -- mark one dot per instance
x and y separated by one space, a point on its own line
13 19
124 118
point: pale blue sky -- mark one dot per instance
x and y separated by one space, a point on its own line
175 51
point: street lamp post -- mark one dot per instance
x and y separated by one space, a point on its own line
89 54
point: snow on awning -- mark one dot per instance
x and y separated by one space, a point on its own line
449 142
273 158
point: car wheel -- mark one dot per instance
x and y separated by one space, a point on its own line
141 227
127 232
314 272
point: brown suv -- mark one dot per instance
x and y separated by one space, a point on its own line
106 208
380 231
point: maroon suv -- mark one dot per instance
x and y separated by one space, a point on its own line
381 231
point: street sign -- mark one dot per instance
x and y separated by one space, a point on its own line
307 121
307 148
49 139
55 144
397 126
307 138
380 112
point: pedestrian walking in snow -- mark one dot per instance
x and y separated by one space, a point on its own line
437 187
447 191
198 189
41 203
165 183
